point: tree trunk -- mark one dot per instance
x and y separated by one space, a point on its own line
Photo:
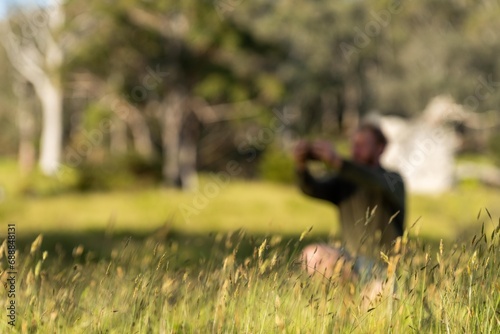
188 151
187 164
39 61
171 131
50 95
140 134
328 121
136 122
118 144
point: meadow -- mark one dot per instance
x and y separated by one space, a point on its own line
129 261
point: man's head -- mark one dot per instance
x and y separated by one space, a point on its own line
368 144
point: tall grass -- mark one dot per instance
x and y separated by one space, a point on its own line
150 286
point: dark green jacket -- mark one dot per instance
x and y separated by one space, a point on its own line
367 198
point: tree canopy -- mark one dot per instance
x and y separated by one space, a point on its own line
331 62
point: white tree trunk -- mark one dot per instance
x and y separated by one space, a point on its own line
38 59
50 95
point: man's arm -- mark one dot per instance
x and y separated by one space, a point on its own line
329 189
390 184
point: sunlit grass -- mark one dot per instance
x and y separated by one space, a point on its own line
452 215
147 287
246 281
256 206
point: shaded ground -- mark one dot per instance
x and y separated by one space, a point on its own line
191 249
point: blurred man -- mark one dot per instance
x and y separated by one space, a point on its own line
370 199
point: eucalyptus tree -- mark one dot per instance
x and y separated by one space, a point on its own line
31 38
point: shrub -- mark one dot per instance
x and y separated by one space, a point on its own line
494 146
277 166
38 184
121 172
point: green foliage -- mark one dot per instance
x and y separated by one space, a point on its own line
211 86
122 172
94 116
317 57
494 146
277 166
116 173
36 184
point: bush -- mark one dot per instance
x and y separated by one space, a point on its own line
122 172
277 166
38 184
494 146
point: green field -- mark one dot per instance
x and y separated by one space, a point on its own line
129 262
257 207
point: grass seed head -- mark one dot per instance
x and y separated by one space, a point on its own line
35 246
262 248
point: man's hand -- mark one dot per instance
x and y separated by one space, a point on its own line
324 151
300 154
320 150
